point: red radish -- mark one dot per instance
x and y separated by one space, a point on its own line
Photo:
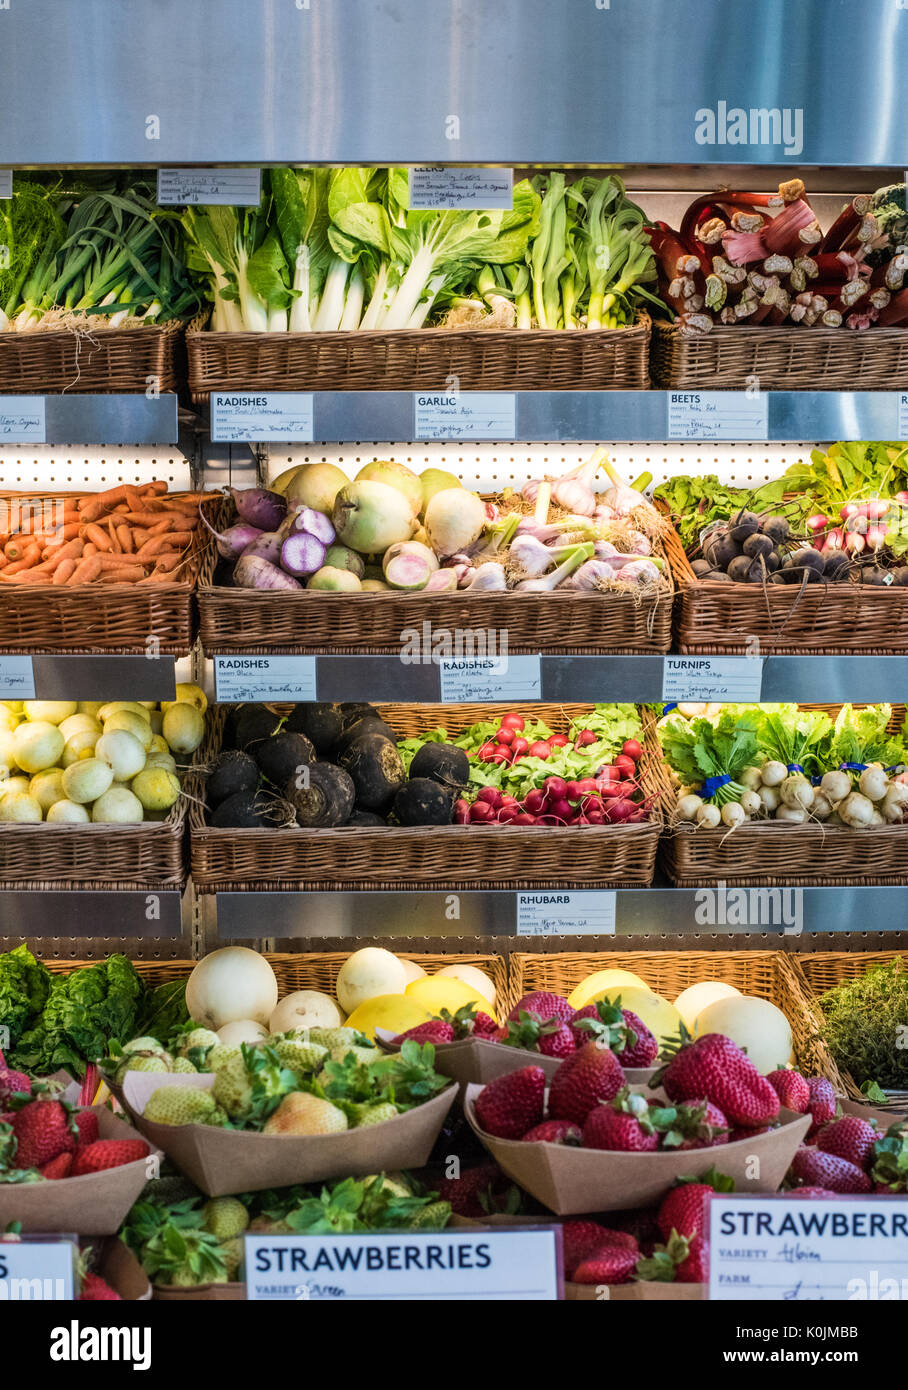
609 773
901 497
619 810
558 740
461 812
572 791
625 765
524 819
509 800
533 802
501 757
591 803
585 738
855 541
595 817
876 537
519 747
849 509
507 814
487 752
512 721
505 736
588 786
582 820
481 811
638 815
877 509
556 787
539 750
632 749
835 540
612 791
818 522
562 809
549 819
490 794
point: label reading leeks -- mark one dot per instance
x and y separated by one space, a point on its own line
433 187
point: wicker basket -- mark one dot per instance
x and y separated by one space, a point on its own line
420 360
782 358
818 971
714 616
440 857
108 360
51 857
114 618
767 974
772 853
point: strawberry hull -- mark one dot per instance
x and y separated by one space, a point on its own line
476 1061
93 1205
570 1181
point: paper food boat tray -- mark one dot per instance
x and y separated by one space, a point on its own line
644 1291
223 1161
474 1061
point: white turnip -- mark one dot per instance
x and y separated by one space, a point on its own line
836 786
709 816
752 778
774 774
796 814
733 814
751 803
797 791
873 783
454 519
369 517
822 806
856 811
689 805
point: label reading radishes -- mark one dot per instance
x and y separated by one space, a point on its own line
237 188
718 415
452 1264
482 679
261 417
17 678
38 1269
22 420
6 183
794 1250
903 415
735 678
255 678
434 187
465 415
565 914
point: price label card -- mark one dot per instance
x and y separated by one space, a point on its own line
234 187
903 415
6 183
565 914
735 678
729 415
793 1250
263 418
432 186
478 1265
482 679
38 1270
22 420
465 415
17 677
254 678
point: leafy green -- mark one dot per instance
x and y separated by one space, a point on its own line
695 502
31 229
84 1011
701 751
362 1204
861 736
866 1019
163 1013
794 736
24 987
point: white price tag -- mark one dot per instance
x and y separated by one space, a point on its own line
566 914
6 183
794 1250
452 1264
903 415
735 678
241 188
37 1270
17 677
482 679
465 415
729 415
434 187
22 420
266 417
253 678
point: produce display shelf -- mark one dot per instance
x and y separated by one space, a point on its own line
90 419
87 676
570 677
623 416
554 912
155 913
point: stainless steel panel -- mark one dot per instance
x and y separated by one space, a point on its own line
456 81
104 677
110 419
91 915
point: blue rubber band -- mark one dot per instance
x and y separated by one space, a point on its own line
712 784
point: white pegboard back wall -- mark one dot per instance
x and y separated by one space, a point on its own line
81 468
490 467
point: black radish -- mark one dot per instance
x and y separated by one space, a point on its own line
322 724
376 768
282 756
254 723
233 772
421 801
245 811
323 798
443 762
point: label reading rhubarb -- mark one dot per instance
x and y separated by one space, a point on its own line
38 1269
790 1249
718 415
255 678
433 187
482 679
22 420
565 914
903 415
237 188
17 677
262 417
451 1264
6 183
735 678
465 415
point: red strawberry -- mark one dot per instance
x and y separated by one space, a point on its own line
512 1104
791 1088
58 1167
738 1133
698 1125
434 1030
543 1003
822 1105
591 1075
43 1130
87 1125
610 1264
645 1049
477 1191
552 1037
715 1067
484 1027
553 1132
694 1269
817 1169
108 1153
12 1083
849 1137
622 1031
811 1192
94 1289
608 1128
579 1239
685 1208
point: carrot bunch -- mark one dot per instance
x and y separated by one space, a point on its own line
126 535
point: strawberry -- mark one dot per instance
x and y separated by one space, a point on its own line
58 1167
512 1104
607 1128
478 1191
553 1132
43 1129
622 1031
694 1269
716 1068
849 1137
108 1153
610 1264
685 1208
95 1290
592 1074
87 1125
791 1088
817 1169
579 1239
642 1046
739 1133
811 1192
12 1083
698 1124
435 1030
552 1037
483 1026
543 1003
822 1106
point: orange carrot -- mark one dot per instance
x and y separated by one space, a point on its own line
64 571
26 577
115 545
31 556
71 551
98 536
124 536
93 507
123 574
115 562
152 548
86 570
89 549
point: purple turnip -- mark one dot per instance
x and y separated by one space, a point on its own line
302 554
252 572
232 542
259 507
